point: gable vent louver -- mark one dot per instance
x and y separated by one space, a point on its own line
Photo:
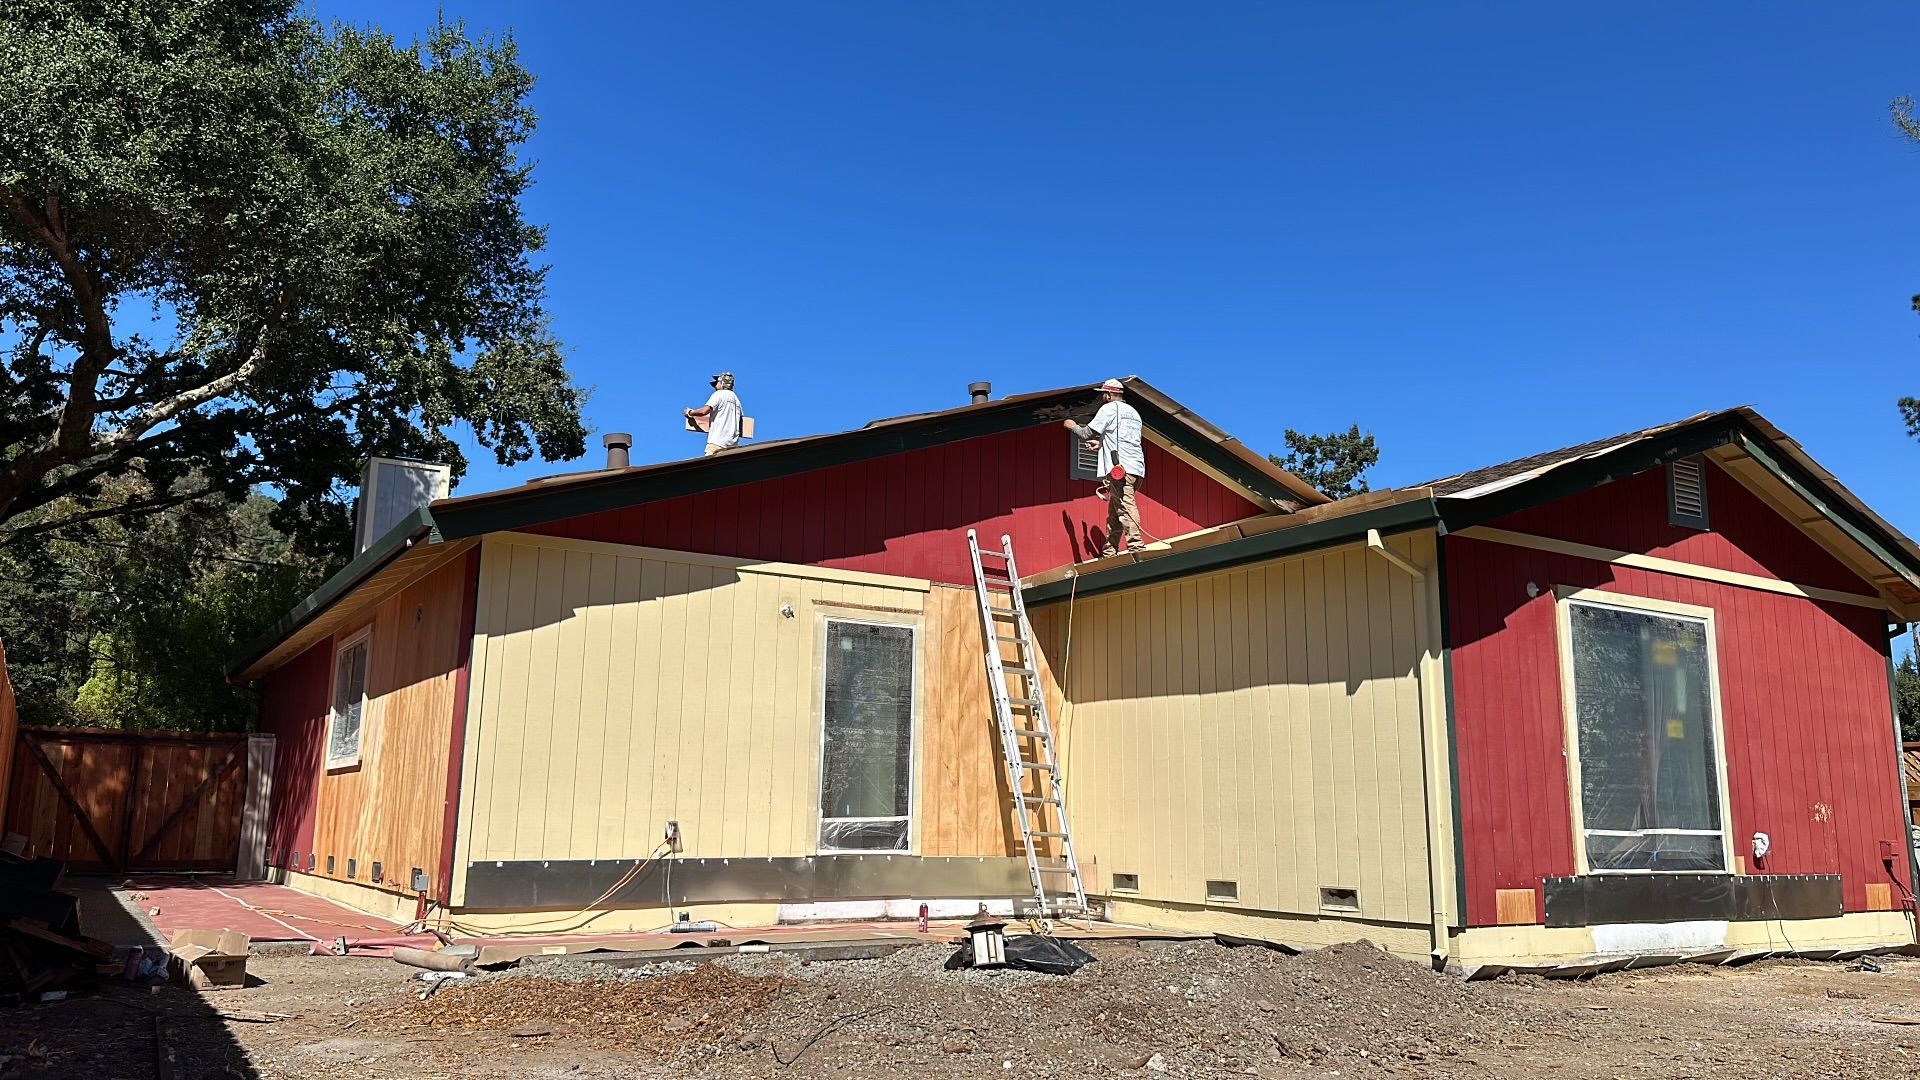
1687 493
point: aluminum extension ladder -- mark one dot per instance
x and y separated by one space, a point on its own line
1002 626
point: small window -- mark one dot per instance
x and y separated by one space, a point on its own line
1336 899
350 867
1126 883
329 864
1083 461
1687 493
866 756
349 710
1228 891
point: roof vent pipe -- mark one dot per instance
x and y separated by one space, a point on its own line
617 444
979 392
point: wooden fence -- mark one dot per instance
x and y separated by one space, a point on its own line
121 801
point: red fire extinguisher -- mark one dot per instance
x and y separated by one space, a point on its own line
923 918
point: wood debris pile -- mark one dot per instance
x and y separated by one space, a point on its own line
704 1004
42 951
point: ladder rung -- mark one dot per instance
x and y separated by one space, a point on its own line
1037 799
1021 640
1017 670
1023 701
1067 870
1037 765
1030 733
1052 835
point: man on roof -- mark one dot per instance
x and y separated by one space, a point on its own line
722 414
1115 431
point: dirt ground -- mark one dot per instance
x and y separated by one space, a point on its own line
1143 1010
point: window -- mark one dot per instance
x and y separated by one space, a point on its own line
349 701
866 754
1687 493
1126 883
1227 891
1083 462
1645 745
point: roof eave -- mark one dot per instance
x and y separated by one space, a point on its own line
391 545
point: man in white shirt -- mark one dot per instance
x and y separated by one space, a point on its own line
722 411
1115 429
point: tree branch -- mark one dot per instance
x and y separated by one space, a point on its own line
125 509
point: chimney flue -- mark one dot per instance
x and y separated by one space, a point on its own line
617 444
979 392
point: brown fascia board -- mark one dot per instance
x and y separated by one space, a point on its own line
1304 492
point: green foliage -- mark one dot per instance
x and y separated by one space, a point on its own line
1335 464
1906 693
238 248
111 625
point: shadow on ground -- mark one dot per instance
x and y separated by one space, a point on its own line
120 1029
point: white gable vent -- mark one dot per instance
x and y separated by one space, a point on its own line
390 489
1687 493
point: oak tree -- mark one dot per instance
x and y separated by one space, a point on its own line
240 248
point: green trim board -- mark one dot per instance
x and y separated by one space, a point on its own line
391 545
1883 547
1390 519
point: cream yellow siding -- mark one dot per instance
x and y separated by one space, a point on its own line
1260 725
615 688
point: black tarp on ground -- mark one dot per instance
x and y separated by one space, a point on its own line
1031 952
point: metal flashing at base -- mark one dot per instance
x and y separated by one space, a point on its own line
570 884
1653 898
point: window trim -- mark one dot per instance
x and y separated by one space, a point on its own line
342 645
827 619
1565 598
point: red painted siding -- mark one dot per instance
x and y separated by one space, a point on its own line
1803 690
1747 536
293 708
908 513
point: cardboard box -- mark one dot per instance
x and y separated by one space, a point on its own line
208 959
702 423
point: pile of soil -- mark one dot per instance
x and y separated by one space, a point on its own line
1184 1008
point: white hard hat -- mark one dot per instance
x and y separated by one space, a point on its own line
1112 386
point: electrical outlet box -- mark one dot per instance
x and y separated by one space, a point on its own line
420 883
672 837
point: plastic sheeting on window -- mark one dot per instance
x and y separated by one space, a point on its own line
863 834
349 701
1649 788
866 761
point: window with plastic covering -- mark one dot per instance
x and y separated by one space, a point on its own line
1645 744
866 755
347 713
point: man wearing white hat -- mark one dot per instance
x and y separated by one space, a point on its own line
1115 430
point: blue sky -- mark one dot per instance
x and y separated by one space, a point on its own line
1479 231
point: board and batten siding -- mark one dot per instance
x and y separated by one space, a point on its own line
1259 725
615 688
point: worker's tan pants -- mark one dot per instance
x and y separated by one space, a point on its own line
1123 516
712 449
